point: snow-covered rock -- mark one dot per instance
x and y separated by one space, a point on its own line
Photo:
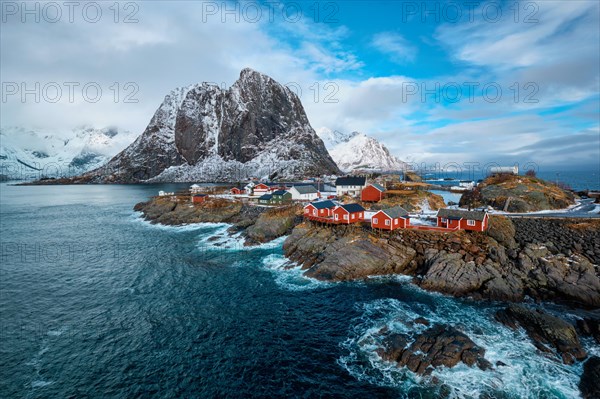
32 154
257 127
356 150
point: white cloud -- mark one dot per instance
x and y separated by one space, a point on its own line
395 46
171 46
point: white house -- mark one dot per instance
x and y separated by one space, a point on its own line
194 189
304 193
351 185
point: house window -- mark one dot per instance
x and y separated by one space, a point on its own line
315 212
470 223
345 217
396 222
374 220
387 222
353 216
306 211
444 220
336 216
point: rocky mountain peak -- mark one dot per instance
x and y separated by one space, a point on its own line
202 132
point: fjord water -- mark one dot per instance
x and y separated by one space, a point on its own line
95 302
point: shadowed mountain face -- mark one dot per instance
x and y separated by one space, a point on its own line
256 127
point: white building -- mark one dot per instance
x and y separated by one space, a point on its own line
195 189
304 193
351 185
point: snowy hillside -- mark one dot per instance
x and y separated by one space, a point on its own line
358 151
257 127
32 154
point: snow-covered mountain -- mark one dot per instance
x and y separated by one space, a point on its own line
356 150
202 132
32 154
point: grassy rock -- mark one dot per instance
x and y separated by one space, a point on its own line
522 193
272 224
412 201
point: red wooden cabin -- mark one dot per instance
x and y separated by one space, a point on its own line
235 191
320 208
349 213
261 189
372 193
199 198
391 219
462 220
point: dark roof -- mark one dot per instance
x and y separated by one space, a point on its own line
378 187
351 181
353 208
265 197
323 204
395 212
279 192
460 214
306 189
200 195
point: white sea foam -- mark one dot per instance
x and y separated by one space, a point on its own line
138 218
527 373
41 383
221 239
289 275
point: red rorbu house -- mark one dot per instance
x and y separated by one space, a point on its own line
372 193
199 198
391 219
261 189
462 220
349 213
236 191
276 186
322 209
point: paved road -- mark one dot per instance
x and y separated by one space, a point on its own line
581 211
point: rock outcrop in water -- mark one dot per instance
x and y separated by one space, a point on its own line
257 127
590 380
438 346
549 333
498 265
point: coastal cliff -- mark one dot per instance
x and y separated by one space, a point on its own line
554 260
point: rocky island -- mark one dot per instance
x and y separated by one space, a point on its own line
516 194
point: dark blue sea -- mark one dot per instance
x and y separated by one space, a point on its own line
95 302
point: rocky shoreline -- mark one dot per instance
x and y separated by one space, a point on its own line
542 259
257 224
504 264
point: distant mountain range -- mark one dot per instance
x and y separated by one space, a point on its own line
357 151
32 154
256 128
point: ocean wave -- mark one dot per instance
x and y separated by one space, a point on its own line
137 217
220 239
289 275
527 374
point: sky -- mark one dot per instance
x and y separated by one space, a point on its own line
437 82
